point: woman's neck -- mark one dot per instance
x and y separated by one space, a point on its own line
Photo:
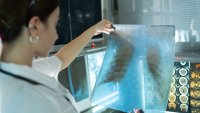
17 54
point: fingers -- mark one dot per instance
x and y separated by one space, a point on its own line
108 23
104 31
136 110
107 32
108 27
104 26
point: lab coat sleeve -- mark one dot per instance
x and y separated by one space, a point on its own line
50 66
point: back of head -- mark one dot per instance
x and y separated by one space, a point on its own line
15 14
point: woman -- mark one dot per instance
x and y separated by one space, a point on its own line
27 29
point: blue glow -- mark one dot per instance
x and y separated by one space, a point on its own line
138 64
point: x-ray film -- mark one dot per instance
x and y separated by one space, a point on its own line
137 68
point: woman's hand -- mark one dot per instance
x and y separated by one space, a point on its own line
71 50
137 111
104 26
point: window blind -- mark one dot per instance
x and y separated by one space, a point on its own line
184 14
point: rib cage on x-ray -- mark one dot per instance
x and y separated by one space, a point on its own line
153 61
119 62
137 68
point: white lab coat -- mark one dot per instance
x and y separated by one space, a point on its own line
21 96
50 66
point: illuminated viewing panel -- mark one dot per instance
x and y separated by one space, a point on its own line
94 64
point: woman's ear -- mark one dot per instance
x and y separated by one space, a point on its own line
34 25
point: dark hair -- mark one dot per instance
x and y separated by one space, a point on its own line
15 14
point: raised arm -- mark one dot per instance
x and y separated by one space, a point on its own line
70 51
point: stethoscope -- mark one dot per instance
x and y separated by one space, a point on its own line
22 78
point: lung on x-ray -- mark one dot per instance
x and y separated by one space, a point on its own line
137 68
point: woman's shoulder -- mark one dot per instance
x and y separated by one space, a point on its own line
50 66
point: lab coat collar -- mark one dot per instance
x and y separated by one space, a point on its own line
29 73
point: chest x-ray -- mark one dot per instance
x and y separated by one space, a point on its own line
137 68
